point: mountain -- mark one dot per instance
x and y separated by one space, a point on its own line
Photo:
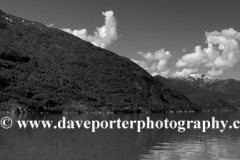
197 78
207 92
47 69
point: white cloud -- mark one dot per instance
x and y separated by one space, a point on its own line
222 52
104 36
161 54
185 72
160 66
164 73
193 59
215 72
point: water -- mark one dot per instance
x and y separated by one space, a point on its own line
115 144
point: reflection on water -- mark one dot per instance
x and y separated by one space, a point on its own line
208 149
77 144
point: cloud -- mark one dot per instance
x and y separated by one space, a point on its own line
185 72
160 66
104 36
222 52
215 72
193 59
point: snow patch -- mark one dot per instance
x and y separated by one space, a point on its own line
195 77
9 19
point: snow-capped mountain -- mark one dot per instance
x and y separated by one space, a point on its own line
199 78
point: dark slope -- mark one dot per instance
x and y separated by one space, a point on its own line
194 90
46 69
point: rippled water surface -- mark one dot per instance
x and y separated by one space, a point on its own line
115 144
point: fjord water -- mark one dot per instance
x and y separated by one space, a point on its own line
120 144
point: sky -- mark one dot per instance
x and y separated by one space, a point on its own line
165 37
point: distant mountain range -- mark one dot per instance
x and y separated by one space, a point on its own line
207 92
47 69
